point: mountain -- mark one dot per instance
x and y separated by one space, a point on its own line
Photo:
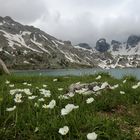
27 47
125 54
130 47
102 45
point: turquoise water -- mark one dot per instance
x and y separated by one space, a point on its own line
117 73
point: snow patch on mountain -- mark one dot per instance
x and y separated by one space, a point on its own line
124 49
17 40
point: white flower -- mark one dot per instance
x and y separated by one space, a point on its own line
99 77
12 85
68 108
92 136
63 97
25 83
46 93
136 86
44 106
41 100
11 108
17 98
64 130
12 92
7 82
60 89
114 87
44 86
55 80
66 96
89 100
27 91
29 85
124 81
36 105
52 104
32 97
138 83
122 92
36 129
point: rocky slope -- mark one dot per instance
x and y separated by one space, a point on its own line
27 47
124 55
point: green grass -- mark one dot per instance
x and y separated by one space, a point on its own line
112 116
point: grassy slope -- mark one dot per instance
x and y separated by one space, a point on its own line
112 116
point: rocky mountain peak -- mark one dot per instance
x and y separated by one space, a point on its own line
7 18
114 42
115 45
102 45
133 40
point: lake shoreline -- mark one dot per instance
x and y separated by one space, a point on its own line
117 73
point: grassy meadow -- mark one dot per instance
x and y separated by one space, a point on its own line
112 115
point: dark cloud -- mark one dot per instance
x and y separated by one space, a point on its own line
78 20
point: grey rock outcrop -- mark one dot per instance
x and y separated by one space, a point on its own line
3 68
115 45
133 40
102 45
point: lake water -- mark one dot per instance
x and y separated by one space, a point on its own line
117 73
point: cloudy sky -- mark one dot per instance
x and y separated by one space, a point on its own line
78 20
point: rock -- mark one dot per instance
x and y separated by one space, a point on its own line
115 45
133 40
76 86
102 45
113 42
68 42
3 68
79 86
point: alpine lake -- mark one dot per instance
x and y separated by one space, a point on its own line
116 73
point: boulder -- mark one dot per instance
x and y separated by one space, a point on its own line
3 68
80 86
